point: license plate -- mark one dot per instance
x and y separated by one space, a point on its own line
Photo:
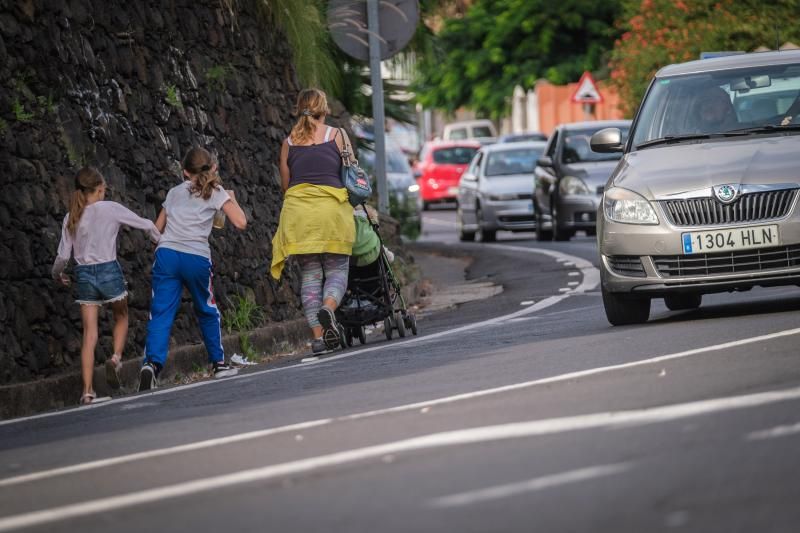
452 190
722 240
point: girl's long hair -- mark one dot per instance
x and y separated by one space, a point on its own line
87 180
200 163
310 103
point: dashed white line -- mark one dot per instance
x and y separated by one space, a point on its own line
531 485
774 433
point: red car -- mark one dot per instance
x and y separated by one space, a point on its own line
439 169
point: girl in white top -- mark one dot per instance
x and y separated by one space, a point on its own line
89 234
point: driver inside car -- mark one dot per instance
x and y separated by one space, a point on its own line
715 112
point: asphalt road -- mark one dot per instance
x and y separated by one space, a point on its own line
525 411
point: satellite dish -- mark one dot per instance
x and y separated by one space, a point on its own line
347 22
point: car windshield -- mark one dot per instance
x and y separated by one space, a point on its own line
481 131
455 155
518 161
718 103
577 148
396 161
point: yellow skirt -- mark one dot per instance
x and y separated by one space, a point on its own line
315 219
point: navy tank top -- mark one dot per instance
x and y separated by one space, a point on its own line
317 164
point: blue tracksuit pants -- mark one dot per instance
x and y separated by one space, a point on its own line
172 271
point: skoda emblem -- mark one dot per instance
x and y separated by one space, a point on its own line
726 193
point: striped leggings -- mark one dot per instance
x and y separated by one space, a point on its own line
323 276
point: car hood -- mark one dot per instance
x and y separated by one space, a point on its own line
671 171
398 181
592 173
511 183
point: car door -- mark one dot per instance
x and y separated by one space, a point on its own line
545 175
468 188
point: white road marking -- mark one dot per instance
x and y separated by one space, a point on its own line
444 223
573 273
516 430
591 279
425 404
531 485
527 302
564 289
572 283
774 433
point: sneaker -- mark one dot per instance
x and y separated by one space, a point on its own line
330 328
224 370
241 360
113 366
147 377
318 347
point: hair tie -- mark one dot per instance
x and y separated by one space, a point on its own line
205 167
306 112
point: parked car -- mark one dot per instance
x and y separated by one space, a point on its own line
439 169
570 179
495 191
705 198
521 137
404 200
470 129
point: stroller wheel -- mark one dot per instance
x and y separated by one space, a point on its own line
411 323
348 337
388 327
401 324
362 335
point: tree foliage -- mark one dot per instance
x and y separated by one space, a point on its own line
476 60
656 33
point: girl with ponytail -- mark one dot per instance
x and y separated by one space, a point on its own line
89 234
183 259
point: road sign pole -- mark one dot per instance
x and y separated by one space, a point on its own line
377 104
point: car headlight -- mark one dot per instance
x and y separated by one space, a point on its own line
627 207
502 197
413 188
572 185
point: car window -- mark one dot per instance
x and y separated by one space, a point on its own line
458 134
454 155
719 102
506 162
396 161
576 147
481 131
551 148
476 163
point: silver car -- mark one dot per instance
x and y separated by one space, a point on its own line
705 197
495 192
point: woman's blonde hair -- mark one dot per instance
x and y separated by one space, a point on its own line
199 163
310 103
87 180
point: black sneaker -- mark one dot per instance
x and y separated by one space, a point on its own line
147 377
224 370
330 328
318 347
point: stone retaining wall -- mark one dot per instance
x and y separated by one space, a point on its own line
129 87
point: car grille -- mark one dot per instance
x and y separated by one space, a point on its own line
752 207
627 265
673 266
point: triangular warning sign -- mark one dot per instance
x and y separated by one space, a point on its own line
587 92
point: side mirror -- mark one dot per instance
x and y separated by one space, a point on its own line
607 141
466 176
545 161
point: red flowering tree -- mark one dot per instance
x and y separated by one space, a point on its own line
656 33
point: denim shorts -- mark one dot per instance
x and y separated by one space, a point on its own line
100 284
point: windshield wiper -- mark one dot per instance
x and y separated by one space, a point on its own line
767 128
668 139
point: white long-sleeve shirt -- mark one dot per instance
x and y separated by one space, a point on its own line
95 238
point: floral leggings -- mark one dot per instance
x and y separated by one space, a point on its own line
323 276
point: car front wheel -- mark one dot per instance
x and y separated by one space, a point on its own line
623 310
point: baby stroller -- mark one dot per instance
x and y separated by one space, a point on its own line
373 294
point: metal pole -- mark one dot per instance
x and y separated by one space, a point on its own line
377 104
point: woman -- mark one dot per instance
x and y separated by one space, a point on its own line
316 223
